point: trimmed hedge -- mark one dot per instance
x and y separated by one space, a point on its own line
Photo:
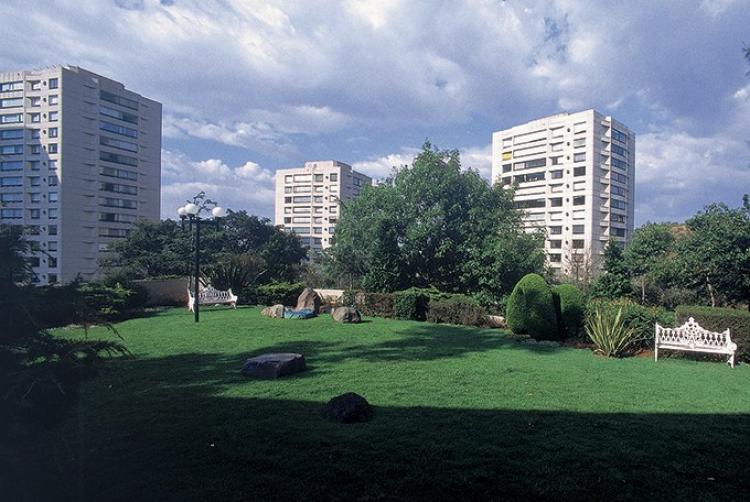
375 304
572 308
640 317
284 293
531 309
719 319
458 309
411 304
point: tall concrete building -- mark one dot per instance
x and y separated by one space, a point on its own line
80 162
308 199
575 179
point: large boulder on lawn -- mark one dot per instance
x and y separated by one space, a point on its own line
495 321
346 315
347 408
275 312
309 299
274 365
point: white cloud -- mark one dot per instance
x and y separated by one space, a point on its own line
249 186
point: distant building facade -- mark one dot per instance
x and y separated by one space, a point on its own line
80 162
308 199
575 179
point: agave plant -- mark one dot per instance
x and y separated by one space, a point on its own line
609 333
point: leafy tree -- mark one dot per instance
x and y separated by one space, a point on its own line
434 225
650 255
233 250
614 281
716 252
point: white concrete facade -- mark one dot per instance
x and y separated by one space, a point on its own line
575 178
308 199
80 162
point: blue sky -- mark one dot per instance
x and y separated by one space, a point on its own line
252 86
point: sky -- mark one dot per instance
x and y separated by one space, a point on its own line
249 86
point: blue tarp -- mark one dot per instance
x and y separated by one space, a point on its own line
298 314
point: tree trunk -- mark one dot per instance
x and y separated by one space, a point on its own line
711 292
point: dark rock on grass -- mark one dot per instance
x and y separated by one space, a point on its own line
346 315
274 365
347 408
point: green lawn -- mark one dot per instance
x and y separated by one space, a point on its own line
460 414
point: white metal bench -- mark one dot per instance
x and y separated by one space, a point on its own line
212 296
692 338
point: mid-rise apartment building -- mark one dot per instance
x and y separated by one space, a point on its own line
80 162
309 198
574 175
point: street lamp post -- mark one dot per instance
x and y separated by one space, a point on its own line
192 213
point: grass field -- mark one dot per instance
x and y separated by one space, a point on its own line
460 414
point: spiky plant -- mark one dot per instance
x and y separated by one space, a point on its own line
608 332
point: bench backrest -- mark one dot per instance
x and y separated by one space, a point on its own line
691 334
211 294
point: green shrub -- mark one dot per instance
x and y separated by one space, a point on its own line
609 333
640 317
719 319
492 304
572 308
348 298
375 304
411 304
284 293
531 309
458 309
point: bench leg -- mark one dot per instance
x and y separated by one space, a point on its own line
731 361
656 353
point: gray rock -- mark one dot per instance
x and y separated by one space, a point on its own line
346 315
309 299
347 408
495 321
274 365
276 311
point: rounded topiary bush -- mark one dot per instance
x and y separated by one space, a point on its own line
531 309
572 308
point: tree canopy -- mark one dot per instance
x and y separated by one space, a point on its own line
434 224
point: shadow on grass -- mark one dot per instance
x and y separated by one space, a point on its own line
420 342
161 429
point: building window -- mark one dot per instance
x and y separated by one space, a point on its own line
619 164
288 178
52 262
334 177
11 134
619 191
556 161
578 229
579 200
52 84
303 199
332 209
116 129
52 230
555 258
11 150
118 100
579 157
619 204
11 197
52 148
52 197
579 171
11 86
117 114
317 230
618 232
556 230
13 118
11 103
526 204
287 189
579 142
506 168
619 136
35 134
556 244
557 147
556 202
116 158
619 150
52 181
53 116
577 244
318 177
54 100
52 132
35 197
35 181
52 278
118 143
35 101
556 174
52 213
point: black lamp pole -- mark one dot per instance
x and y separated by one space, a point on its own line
192 212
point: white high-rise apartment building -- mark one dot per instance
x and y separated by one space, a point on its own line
80 161
308 199
575 178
